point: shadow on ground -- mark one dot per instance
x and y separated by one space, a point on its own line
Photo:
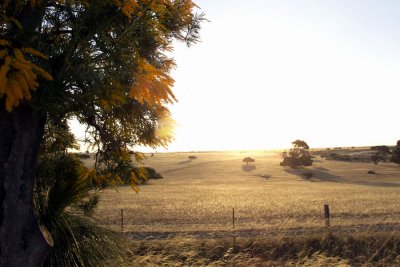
321 169
371 183
184 161
248 168
320 175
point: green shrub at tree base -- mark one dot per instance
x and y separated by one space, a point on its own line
65 196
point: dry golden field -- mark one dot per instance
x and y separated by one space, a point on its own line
196 197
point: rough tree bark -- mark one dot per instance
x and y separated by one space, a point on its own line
23 242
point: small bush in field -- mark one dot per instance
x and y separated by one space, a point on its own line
150 173
192 157
336 156
308 174
143 174
371 172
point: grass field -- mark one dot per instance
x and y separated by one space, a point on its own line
196 197
185 219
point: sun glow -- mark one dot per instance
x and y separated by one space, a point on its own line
270 72
270 77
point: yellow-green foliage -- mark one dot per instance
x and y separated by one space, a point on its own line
18 76
103 62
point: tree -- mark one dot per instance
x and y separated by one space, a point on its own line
381 152
248 160
300 144
396 153
297 156
100 61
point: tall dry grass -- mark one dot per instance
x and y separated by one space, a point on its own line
279 213
199 196
329 250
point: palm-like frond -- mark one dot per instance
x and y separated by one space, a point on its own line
79 242
62 190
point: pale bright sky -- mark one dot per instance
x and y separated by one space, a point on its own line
269 72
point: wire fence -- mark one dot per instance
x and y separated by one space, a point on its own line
234 229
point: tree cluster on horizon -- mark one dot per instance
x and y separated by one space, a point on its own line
297 156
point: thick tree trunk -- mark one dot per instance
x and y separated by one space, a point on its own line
22 242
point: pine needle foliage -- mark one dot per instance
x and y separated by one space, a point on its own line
103 62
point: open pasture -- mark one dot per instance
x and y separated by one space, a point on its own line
196 197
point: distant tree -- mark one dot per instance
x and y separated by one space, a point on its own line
382 149
376 158
337 156
298 156
396 153
381 152
301 143
248 160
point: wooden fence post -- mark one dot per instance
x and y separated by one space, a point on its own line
122 220
327 216
233 226
233 218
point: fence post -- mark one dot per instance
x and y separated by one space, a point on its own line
233 226
327 216
233 218
122 220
